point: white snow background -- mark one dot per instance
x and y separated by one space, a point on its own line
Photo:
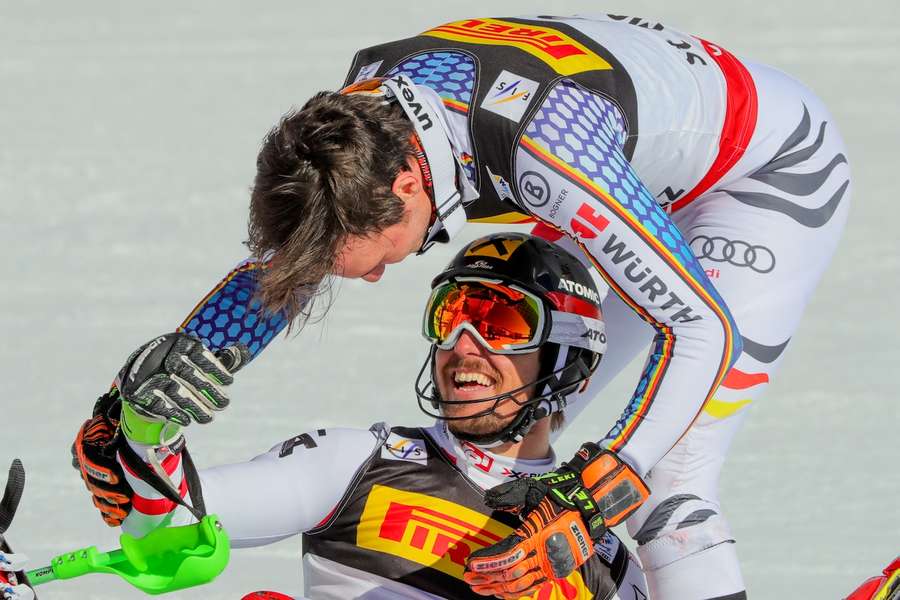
128 136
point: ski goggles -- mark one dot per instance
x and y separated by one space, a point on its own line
504 318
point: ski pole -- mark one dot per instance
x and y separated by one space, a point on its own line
165 560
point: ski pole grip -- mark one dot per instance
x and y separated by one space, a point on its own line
79 562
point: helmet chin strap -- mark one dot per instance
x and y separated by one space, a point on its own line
514 431
552 402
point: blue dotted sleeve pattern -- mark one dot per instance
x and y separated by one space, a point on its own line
579 136
588 132
231 314
450 74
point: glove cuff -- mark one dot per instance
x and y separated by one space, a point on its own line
614 485
143 430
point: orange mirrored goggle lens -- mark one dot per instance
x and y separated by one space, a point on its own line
505 318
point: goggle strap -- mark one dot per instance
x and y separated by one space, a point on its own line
436 145
577 330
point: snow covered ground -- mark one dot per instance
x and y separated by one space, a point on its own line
128 134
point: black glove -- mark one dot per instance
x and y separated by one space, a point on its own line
176 378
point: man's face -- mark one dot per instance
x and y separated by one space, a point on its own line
366 256
470 372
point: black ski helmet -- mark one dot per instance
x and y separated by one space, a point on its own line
574 336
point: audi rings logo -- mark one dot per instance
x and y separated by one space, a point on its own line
736 252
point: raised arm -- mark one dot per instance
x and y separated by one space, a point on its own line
573 175
229 314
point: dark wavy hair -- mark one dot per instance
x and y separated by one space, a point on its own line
324 173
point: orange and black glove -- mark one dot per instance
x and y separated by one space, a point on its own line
563 513
94 455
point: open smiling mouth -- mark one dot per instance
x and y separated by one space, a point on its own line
471 380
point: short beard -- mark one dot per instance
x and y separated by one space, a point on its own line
482 425
479 426
485 424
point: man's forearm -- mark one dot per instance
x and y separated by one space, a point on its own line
286 491
230 313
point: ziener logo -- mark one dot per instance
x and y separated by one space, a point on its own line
579 539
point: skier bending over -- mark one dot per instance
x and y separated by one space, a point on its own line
685 176
397 511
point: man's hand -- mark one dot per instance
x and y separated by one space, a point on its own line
94 455
175 378
563 514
